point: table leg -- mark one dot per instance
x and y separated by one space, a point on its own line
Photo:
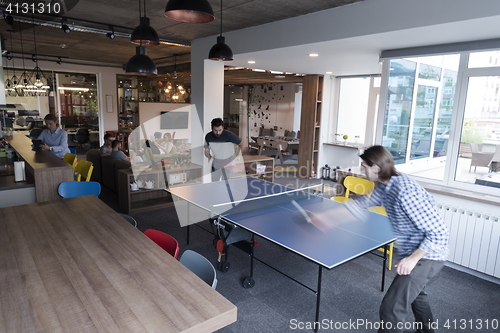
384 265
318 297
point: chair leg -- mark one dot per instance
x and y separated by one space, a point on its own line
389 252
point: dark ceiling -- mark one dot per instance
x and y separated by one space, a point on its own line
123 15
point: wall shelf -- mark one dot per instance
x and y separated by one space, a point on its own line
310 124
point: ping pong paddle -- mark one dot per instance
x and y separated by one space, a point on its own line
220 248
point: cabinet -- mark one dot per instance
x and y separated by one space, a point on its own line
156 197
310 124
128 108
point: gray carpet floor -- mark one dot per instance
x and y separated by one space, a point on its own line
350 293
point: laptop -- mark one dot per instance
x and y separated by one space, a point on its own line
36 144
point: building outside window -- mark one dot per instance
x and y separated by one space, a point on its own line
437 103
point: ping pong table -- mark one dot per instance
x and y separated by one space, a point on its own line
319 229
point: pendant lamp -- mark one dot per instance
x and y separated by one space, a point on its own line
190 11
24 80
220 51
40 86
140 63
144 34
9 83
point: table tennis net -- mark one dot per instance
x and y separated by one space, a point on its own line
251 204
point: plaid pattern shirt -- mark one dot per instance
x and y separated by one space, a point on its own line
414 218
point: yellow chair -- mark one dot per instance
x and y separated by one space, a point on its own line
71 159
356 185
381 210
84 169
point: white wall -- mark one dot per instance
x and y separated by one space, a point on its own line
269 108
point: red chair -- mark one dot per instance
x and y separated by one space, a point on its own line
165 241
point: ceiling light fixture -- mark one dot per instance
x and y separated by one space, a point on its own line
140 63
65 27
144 34
10 83
190 11
24 80
313 54
40 82
220 51
251 61
111 35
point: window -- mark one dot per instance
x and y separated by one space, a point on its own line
417 125
426 115
357 102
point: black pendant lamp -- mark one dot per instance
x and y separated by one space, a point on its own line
220 51
190 11
144 34
140 63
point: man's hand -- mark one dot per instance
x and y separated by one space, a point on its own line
45 147
406 265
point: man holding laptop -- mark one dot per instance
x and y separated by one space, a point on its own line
219 145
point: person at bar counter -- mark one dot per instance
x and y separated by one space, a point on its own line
117 153
53 137
223 155
422 239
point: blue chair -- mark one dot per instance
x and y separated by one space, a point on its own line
129 219
76 189
72 150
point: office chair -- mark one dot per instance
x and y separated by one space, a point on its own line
84 169
165 241
381 210
356 185
129 219
71 160
82 136
76 189
35 133
200 266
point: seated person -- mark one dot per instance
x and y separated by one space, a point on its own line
53 137
117 153
153 147
106 149
166 146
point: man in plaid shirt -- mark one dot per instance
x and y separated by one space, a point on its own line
422 240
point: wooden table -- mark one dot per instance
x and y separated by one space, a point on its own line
74 265
43 167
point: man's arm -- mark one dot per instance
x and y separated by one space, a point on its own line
243 147
406 265
207 154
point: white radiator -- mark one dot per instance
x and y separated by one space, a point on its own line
474 239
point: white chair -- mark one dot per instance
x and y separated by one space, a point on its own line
282 152
495 160
479 158
200 266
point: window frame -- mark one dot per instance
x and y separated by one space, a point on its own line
458 113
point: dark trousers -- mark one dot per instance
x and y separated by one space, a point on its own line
409 291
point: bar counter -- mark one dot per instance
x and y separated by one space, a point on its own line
45 169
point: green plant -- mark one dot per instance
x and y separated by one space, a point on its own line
470 134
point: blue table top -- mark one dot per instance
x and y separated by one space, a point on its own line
320 229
